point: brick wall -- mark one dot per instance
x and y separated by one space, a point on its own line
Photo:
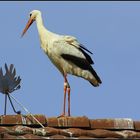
25 127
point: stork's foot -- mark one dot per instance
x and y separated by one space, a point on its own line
62 115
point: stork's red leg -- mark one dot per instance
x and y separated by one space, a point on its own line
68 101
66 88
64 103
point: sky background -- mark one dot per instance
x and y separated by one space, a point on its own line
111 30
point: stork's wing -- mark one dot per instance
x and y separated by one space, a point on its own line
73 41
85 54
72 54
83 47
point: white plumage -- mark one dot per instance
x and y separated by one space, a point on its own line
66 53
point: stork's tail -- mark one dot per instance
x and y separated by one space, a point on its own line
95 81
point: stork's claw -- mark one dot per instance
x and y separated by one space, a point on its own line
62 115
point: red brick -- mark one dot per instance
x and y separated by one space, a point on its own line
62 122
101 133
39 132
73 132
112 124
58 137
137 125
31 121
110 138
11 119
78 122
8 136
129 134
64 132
19 130
52 122
137 135
47 131
3 129
73 122
51 131
86 137
30 136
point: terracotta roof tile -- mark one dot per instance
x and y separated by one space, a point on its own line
129 134
30 136
11 119
102 133
25 127
30 121
19 130
112 123
51 131
8 136
85 137
73 132
73 122
137 125
52 122
3 129
58 137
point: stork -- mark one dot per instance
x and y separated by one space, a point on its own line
66 53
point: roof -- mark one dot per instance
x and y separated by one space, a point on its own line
25 127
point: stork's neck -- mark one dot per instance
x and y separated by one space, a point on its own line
44 34
40 25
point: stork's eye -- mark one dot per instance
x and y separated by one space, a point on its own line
30 15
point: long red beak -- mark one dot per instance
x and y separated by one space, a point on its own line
29 23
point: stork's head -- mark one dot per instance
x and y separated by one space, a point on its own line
32 17
33 14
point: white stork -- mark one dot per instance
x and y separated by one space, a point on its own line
66 53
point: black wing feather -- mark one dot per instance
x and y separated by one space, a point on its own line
83 47
89 59
82 63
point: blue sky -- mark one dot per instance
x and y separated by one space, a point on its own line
111 30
